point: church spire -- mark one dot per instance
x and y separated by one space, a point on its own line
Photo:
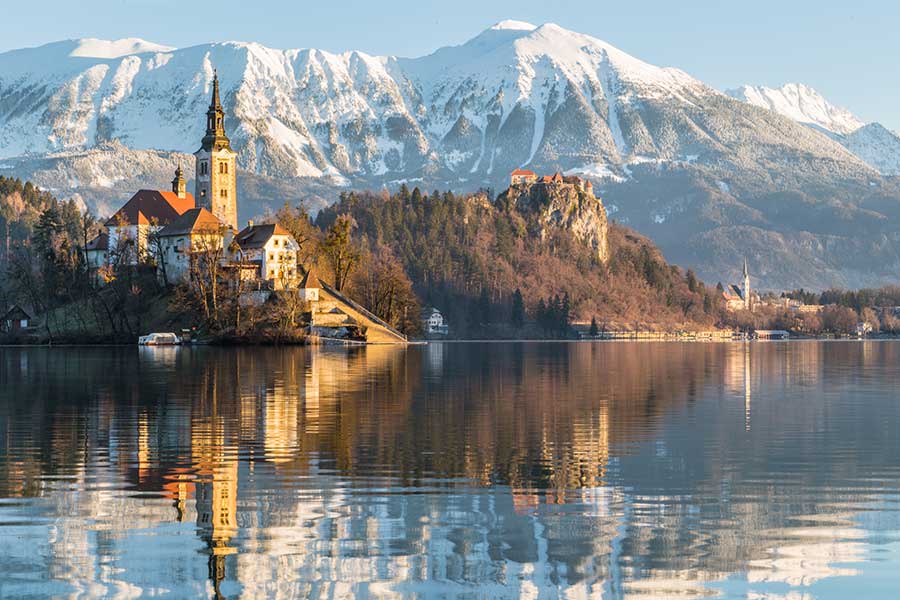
215 104
746 288
178 184
215 138
215 182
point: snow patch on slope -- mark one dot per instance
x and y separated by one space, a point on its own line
512 24
110 49
595 170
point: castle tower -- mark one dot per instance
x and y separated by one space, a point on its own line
178 184
746 288
216 182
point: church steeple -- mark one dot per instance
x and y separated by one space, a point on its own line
215 138
178 184
215 181
746 288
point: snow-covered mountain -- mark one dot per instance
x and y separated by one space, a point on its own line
802 104
515 95
710 177
877 146
873 143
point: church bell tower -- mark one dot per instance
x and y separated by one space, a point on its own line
179 187
216 169
746 290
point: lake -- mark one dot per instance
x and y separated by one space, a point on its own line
459 470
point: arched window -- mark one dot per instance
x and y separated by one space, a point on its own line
204 169
223 168
223 193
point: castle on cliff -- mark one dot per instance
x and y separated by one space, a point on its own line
562 200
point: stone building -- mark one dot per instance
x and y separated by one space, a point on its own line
216 165
433 322
194 233
334 315
273 249
522 177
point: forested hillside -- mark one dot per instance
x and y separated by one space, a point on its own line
21 208
468 256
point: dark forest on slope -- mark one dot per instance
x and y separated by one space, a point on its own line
468 255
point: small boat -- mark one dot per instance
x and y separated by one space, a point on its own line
159 339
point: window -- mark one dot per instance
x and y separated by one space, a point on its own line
203 193
271 256
276 243
223 193
204 167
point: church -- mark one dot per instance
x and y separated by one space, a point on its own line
174 230
165 227
740 297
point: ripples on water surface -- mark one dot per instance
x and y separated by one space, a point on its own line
612 470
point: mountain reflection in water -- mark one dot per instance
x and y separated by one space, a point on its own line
610 470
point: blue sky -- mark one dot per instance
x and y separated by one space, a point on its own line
846 50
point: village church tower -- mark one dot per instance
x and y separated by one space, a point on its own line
216 174
746 289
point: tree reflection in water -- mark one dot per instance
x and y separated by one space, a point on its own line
494 470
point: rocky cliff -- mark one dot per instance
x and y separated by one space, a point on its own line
571 205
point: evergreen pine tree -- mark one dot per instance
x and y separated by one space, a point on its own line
542 315
484 308
518 310
595 331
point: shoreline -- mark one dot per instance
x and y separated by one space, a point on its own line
673 339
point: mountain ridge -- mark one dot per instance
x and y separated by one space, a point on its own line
679 160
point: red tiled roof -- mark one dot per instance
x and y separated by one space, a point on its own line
152 206
192 221
256 236
524 172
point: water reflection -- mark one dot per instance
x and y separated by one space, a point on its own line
495 470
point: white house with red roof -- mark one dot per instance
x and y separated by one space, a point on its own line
522 177
273 249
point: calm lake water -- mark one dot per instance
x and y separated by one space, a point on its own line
537 470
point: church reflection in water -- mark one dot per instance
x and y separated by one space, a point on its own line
613 470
